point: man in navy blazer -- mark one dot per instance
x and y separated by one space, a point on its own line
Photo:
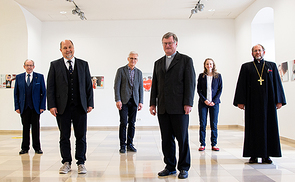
70 98
129 98
173 89
29 102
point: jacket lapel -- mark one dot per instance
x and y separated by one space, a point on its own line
79 70
34 80
126 72
163 64
174 61
23 81
63 69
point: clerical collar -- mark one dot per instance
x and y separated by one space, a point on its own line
256 61
171 56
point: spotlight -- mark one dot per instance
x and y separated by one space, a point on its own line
193 11
201 7
74 11
77 11
198 7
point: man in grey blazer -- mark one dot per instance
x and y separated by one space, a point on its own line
129 98
70 98
173 89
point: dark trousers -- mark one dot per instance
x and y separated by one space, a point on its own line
127 116
30 118
77 116
175 126
213 113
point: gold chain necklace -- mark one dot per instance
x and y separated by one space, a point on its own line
260 75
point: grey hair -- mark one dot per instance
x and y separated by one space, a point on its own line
169 34
29 60
133 53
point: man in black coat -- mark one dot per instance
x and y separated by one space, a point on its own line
260 93
70 98
173 89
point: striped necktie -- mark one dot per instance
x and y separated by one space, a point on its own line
70 66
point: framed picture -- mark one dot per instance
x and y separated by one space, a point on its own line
283 71
147 81
293 70
97 82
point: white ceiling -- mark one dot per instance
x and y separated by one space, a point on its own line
49 10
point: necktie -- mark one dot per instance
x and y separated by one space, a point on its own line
70 66
28 80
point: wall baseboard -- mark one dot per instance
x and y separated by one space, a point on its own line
284 140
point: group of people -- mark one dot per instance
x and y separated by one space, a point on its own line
259 92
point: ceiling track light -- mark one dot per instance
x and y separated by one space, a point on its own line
77 11
198 7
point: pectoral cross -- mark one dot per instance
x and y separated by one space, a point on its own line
260 80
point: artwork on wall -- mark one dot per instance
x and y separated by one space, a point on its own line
283 71
7 80
147 81
97 82
292 70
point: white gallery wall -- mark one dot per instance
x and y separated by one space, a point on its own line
106 44
284 25
13 51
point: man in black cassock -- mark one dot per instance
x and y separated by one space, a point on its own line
260 93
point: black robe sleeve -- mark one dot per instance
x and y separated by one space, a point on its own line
241 89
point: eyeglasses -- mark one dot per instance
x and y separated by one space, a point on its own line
29 65
135 59
167 43
258 50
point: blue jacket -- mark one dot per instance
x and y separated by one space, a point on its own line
216 88
38 92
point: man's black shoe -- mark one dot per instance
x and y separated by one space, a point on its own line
131 148
166 172
23 152
122 149
253 160
183 174
266 160
39 151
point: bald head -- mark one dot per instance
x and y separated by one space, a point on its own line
67 49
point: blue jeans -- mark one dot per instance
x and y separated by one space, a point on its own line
213 113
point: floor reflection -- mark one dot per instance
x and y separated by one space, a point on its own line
105 163
126 167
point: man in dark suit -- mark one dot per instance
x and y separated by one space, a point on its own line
70 98
29 102
173 89
129 98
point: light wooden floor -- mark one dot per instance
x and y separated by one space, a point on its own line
105 163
